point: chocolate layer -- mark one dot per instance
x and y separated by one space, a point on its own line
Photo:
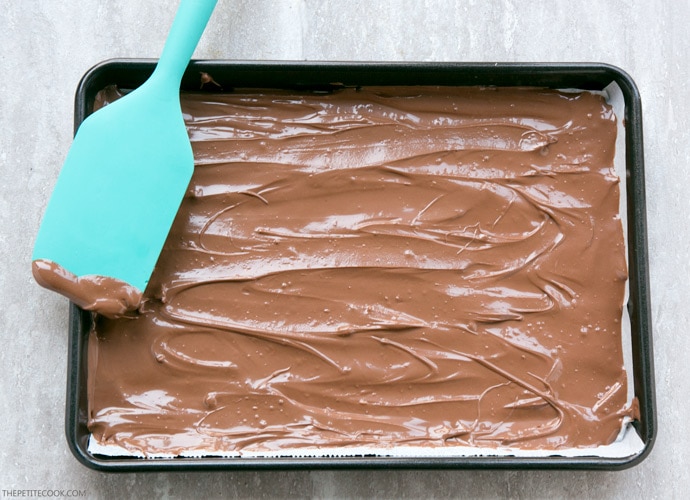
378 267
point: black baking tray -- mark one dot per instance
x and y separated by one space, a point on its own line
327 76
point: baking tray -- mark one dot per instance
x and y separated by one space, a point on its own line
326 76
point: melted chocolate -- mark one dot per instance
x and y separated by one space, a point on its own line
107 296
379 267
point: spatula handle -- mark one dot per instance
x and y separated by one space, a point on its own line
189 24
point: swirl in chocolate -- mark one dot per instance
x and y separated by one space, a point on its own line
379 267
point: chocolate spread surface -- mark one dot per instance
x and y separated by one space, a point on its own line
379 267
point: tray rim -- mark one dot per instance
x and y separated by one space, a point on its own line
311 74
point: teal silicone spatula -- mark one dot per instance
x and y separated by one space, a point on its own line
126 172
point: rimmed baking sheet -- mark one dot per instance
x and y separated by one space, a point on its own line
632 445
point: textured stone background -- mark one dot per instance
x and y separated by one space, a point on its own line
45 47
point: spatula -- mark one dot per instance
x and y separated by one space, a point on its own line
126 172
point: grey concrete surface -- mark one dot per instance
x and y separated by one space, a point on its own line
46 45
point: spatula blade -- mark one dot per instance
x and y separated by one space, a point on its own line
119 189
